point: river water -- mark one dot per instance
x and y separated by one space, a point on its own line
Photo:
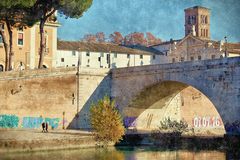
120 153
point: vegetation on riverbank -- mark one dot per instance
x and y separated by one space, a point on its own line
106 122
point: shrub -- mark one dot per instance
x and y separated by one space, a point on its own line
106 122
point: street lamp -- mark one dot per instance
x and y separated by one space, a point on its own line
225 52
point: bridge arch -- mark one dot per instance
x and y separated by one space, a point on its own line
175 100
217 79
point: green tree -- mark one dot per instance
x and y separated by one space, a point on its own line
43 9
14 14
106 122
173 126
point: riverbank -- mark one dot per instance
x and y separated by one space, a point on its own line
15 140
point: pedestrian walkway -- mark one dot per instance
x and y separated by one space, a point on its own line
30 139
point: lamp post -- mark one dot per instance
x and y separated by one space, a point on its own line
78 68
225 52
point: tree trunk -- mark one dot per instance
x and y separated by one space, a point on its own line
10 46
42 43
5 48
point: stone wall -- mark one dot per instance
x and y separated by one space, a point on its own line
30 97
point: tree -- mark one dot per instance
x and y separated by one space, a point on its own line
13 14
151 39
90 38
106 122
44 9
100 37
116 38
135 38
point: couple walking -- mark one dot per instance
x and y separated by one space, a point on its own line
44 127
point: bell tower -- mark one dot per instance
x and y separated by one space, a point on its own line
197 18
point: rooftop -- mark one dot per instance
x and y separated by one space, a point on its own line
196 7
98 47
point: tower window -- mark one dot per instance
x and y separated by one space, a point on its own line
141 56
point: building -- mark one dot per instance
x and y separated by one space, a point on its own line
197 43
26 44
197 22
103 55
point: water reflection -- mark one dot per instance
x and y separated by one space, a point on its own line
139 153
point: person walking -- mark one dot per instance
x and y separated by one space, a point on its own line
46 127
43 126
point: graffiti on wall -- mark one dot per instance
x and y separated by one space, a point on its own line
130 122
207 122
8 121
35 122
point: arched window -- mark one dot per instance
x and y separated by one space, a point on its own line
1 68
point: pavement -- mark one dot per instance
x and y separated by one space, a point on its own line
36 134
12 140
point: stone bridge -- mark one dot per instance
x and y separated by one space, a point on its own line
135 89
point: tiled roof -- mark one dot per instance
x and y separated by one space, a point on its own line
166 42
144 48
98 47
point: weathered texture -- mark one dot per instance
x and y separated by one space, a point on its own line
30 97
218 79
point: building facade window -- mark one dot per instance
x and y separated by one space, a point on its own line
182 59
1 68
73 53
192 58
88 54
128 55
1 40
213 56
20 39
153 57
199 57
115 55
141 56
62 59
2 27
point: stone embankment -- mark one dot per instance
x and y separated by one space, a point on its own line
35 140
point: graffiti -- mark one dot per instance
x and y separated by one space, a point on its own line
205 122
53 122
35 122
9 121
129 122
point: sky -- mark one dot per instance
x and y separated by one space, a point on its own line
163 18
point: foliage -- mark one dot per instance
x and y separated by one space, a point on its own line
106 122
116 38
173 126
14 14
169 133
44 9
